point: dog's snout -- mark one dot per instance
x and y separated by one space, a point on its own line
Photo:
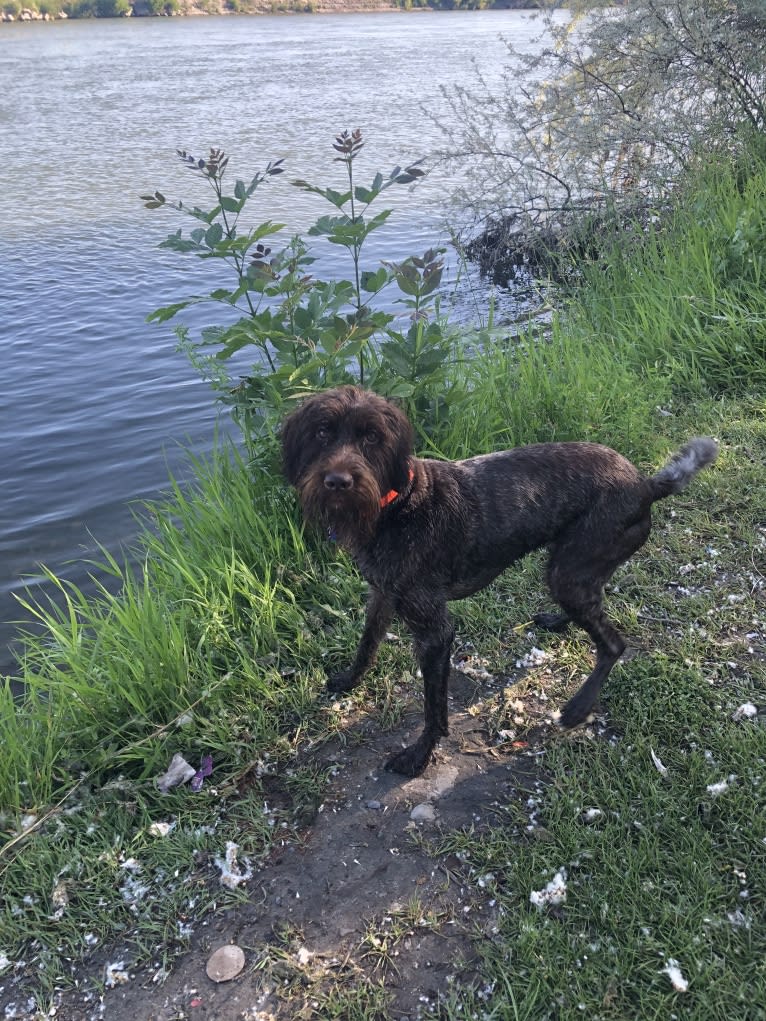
338 481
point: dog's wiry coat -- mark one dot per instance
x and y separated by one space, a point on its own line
424 532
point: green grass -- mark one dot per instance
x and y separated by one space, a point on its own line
687 302
218 640
215 615
667 870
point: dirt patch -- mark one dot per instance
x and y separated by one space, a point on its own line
366 898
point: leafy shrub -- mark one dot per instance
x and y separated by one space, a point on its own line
305 333
610 110
98 9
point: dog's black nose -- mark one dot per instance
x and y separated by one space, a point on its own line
338 480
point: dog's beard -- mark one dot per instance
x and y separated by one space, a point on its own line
349 515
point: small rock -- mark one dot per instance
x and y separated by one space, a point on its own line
226 963
423 813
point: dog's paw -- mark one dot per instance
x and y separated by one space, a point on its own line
344 680
575 712
557 622
411 761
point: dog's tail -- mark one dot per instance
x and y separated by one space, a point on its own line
683 466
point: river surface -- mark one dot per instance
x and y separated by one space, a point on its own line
97 405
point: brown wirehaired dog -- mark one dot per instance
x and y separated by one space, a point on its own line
424 532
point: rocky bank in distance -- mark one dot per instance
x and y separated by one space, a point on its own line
50 10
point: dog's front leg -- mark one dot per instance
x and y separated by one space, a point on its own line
379 613
433 636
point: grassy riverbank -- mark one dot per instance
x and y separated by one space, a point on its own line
218 642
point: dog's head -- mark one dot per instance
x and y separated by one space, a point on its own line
346 451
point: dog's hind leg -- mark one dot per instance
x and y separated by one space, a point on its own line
609 647
379 613
433 636
578 570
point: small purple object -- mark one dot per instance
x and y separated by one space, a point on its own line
205 769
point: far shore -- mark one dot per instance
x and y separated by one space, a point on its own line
207 8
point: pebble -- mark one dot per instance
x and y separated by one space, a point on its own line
423 813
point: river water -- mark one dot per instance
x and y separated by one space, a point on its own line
97 405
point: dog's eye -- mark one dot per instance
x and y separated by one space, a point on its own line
371 437
323 432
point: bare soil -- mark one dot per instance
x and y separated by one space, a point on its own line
365 897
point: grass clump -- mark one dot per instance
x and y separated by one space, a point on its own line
207 615
685 302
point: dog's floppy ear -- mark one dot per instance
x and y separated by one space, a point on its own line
293 436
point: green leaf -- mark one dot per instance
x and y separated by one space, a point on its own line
212 335
407 278
197 213
374 281
379 219
303 319
288 345
431 280
338 198
259 272
352 348
213 235
401 390
233 345
153 201
263 230
379 320
328 225
231 205
179 244
365 195
161 315
429 361
397 358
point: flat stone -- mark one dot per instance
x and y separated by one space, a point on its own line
226 963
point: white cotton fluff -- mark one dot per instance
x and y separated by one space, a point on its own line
553 894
